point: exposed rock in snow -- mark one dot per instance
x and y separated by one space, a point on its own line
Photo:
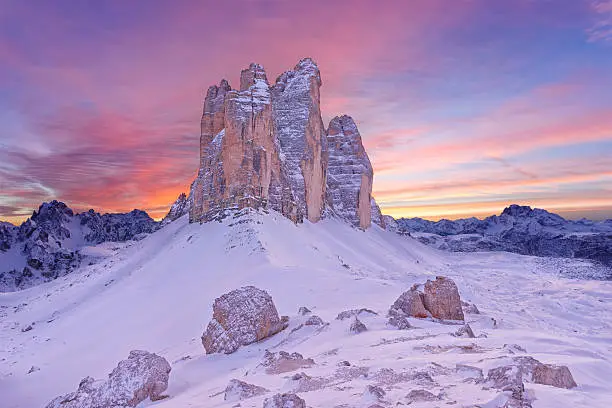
441 299
48 244
238 390
303 311
469 308
519 229
347 314
180 207
143 375
465 331
410 303
557 376
240 317
421 395
314 321
399 321
357 326
288 400
349 173
373 393
282 362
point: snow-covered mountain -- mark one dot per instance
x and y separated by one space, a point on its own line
157 295
519 229
54 241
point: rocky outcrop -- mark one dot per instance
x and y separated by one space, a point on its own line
240 317
266 147
439 299
142 375
48 244
180 207
238 390
376 215
357 326
241 165
349 173
282 362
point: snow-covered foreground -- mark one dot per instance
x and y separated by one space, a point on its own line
157 295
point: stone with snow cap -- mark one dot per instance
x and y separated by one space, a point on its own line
142 375
349 173
240 317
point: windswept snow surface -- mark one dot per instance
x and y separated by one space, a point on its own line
157 295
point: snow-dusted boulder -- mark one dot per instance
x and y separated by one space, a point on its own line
557 376
238 390
441 299
410 303
142 375
287 400
240 317
282 362
357 326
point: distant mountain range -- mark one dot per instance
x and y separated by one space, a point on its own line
519 229
49 244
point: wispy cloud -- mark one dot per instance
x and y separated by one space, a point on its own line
602 28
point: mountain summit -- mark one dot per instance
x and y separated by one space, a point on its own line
265 146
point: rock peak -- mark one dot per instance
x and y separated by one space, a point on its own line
249 76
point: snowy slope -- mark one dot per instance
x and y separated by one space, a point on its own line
156 295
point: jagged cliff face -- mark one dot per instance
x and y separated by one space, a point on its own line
300 131
266 146
349 174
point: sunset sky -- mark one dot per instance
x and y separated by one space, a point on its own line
464 106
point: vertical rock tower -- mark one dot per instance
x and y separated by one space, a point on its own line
266 146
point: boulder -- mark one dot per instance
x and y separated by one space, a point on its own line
441 298
347 314
410 303
287 400
314 321
142 375
557 376
240 317
357 326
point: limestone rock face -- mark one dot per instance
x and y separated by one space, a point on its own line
240 317
241 164
142 375
441 298
349 173
376 214
557 376
410 303
301 134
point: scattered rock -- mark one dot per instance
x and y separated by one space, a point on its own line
282 362
441 299
465 331
399 322
33 369
303 311
469 308
240 317
238 390
314 321
357 326
347 314
143 375
470 372
288 400
373 393
27 328
421 396
344 363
